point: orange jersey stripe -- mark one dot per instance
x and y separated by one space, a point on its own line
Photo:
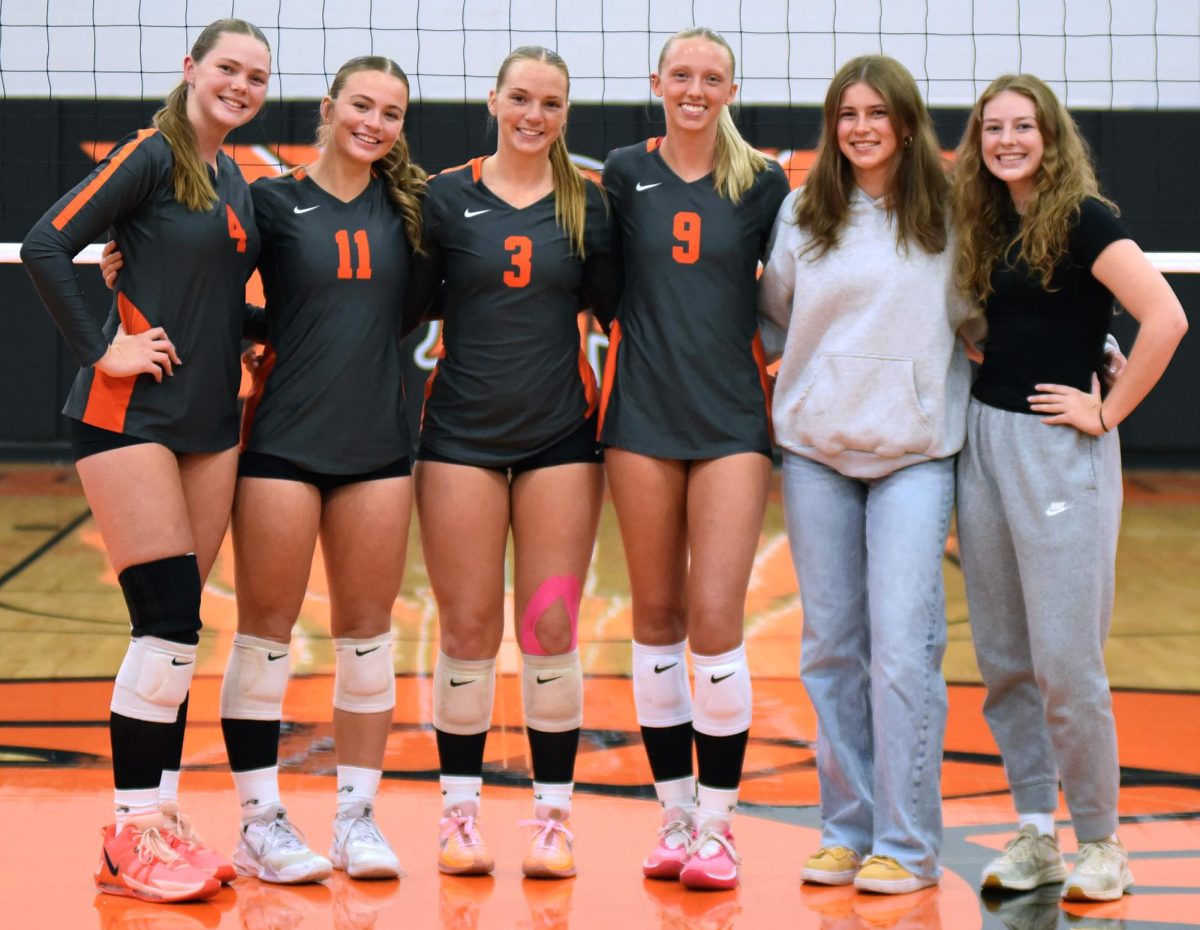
256 395
108 397
79 200
610 373
760 359
588 377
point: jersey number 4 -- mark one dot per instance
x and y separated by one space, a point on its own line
521 248
345 270
236 231
687 231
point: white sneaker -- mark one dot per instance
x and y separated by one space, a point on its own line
1030 860
1101 872
273 850
359 849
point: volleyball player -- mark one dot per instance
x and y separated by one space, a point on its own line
508 442
1039 479
686 424
154 439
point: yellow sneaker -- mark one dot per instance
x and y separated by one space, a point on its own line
884 875
461 848
551 851
831 865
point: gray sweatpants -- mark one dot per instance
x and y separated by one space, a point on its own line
1039 508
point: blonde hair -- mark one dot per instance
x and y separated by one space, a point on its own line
983 204
735 162
570 187
193 188
404 178
917 187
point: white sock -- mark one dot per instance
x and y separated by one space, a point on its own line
1043 822
356 787
549 797
133 802
461 791
679 793
716 804
168 787
257 790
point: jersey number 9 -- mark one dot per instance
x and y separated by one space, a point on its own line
687 231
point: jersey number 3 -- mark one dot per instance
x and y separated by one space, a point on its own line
344 271
522 259
687 231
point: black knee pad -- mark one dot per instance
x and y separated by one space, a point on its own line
163 597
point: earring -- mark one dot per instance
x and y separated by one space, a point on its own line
907 141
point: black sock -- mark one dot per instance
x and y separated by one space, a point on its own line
669 750
251 744
553 755
720 759
461 755
139 751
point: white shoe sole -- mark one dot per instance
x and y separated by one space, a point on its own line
317 869
1048 876
825 877
1076 893
378 868
901 886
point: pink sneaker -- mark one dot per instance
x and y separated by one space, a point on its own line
713 862
666 860
178 832
139 863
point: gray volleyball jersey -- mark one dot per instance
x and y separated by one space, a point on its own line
329 396
185 271
513 378
685 374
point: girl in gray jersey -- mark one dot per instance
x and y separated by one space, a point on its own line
1039 479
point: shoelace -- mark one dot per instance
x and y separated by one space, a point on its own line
1021 847
720 839
283 835
829 851
1093 857
153 845
886 860
545 830
181 827
363 829
673 827
464 825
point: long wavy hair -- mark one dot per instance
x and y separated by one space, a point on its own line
570 187
193 188
404 178
917 187
735 162
983 204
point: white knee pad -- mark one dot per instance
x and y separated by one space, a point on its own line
463 691
256 678
661 693
153 680
552 691
724 700
365 677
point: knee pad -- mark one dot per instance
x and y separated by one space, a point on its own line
365 677
552 691
163 598
463 690
557 587
256 678
661 693
153 680
724 701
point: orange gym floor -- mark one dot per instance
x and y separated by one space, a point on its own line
63 630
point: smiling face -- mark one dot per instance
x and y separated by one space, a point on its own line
530 107
695 81
866 136
366 118
1011 143
229 84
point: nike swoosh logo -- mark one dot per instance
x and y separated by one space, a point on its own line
345 789
271 657
1057 507
253 802
546 681
298 211
175 661
470 213
659 669
107 861
646 187
366 652
454 683
715 679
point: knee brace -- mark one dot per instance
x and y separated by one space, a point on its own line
552 691
661 693
365 677
153 680
256 678
724 700
163 598
556 587
463 690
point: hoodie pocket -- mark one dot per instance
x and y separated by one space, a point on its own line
863 403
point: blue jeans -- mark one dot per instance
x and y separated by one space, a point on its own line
868 556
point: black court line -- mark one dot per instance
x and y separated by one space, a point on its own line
43 548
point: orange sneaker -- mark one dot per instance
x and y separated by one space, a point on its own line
139 863
551 848
178 831
461 850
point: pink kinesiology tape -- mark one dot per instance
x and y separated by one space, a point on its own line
557 587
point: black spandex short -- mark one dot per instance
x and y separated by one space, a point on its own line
88 440
580 447
262 465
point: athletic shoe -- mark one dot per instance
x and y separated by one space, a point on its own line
1030 860
178 830
831 865
551 852
359 849
273 850
1035 910
461 850
139 863
1101 873
712 860
884 875
674 837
